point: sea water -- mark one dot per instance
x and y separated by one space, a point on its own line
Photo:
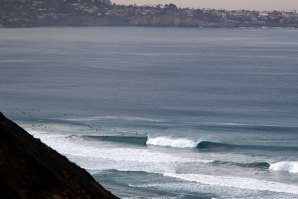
161 112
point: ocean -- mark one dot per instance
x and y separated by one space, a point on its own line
161 112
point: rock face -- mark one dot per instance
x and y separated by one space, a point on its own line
30 169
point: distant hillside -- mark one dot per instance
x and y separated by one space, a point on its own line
31 170
56 4
32 13
38 6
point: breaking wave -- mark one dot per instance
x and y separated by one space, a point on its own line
172 142
291 167
164 141
78 149
257 165
216 146
210 146
146 140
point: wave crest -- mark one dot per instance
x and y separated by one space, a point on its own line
172 142
291 167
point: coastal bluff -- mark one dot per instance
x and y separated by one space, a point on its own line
31 169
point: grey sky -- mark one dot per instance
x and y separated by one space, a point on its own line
226 4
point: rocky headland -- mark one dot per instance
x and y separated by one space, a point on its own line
30 169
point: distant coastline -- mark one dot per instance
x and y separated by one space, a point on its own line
103 13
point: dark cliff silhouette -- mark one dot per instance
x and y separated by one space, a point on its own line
30 169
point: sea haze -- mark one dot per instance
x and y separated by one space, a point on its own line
161 112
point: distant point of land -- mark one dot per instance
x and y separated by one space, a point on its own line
35 13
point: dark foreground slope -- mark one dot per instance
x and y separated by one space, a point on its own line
30 169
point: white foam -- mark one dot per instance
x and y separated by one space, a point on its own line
237 182
291 167
96 158
172 142
92 157
223 192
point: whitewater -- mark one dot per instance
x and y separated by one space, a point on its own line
98 159
172 142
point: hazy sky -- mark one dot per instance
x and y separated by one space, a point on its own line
226 4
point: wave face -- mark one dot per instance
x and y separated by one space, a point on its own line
172 142
206 145
137 140
142 159
291 167
258 165
216 146
164 141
